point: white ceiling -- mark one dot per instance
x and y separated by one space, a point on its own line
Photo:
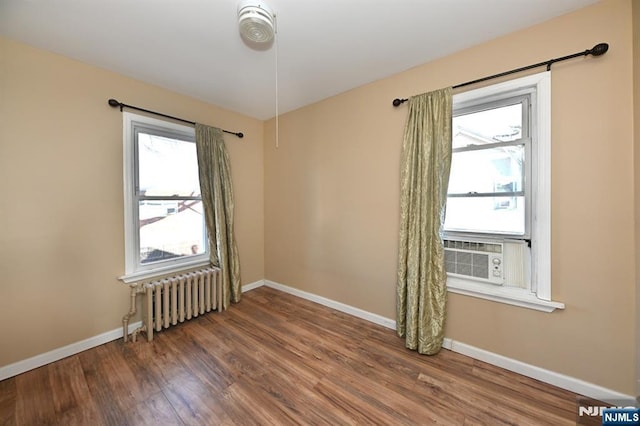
325 47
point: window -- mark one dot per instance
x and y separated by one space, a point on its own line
164 221
497 222
489 168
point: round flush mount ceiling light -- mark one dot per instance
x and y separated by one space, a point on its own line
256 22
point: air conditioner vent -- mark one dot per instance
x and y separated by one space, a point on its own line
474 259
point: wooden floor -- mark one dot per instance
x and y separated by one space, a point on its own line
275 359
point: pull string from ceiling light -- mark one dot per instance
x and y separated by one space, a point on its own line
258 27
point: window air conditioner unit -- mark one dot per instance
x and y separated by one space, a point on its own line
476 260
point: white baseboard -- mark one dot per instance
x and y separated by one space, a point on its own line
74 348
252 286
547 376
338 306
551 377
63 352
566 382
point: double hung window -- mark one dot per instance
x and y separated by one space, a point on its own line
164 221
490 169
497 219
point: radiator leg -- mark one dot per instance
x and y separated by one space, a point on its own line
157 290
194 293
181 302
134 333
188 297
207 291
220 284
149 322
201 285
165 299
174 301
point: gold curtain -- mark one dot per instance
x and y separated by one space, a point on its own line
424 177
214 170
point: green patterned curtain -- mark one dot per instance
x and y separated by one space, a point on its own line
217 197
424 177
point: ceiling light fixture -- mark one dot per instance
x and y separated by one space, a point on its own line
258 28
256 22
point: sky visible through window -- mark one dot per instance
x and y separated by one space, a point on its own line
167 166
490 170
496 124
169 228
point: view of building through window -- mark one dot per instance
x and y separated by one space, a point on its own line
170 214
486 184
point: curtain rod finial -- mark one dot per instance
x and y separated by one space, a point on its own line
397 102
599 49
113 103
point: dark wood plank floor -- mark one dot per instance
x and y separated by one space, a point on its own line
275 359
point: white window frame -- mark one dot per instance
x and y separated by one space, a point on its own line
538 295
134 271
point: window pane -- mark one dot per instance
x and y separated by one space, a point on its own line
167 166
487 170
494 125
170 229
497 215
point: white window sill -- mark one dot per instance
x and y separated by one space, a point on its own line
509 295
162 270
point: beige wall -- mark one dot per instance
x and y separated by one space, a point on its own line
61 213
331 198
636 162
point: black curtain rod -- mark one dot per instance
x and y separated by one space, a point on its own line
115 104
598 50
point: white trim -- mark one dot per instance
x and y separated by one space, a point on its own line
252 286
63 352
539 295
547 376
541 232
338 306
28 364
157 272
510 295
134 271
128 176
551 377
